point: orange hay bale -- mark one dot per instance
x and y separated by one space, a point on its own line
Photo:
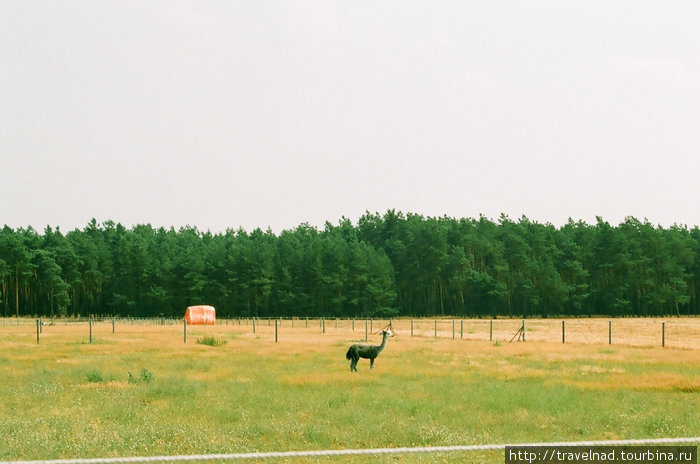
200 315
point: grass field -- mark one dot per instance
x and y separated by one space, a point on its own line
141 391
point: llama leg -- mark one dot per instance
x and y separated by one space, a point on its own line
371 364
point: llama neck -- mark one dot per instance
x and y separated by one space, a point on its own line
381 347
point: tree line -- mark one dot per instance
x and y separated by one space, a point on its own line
386 265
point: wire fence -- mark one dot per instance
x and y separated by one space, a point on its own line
673 332
366 451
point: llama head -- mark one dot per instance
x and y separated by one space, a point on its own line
388 332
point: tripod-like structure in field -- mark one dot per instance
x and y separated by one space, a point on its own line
357 351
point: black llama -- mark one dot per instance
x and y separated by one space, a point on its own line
355 352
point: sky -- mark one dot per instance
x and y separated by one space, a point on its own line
269 114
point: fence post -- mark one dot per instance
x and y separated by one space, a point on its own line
184 320
112 323
491 331
253 324
563 338
663 334
453 329
461 328
411 327
435 328
523 329
323 324
609 332
353 324
90 323
366 330
275 330
37 331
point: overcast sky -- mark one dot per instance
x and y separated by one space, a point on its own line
227 114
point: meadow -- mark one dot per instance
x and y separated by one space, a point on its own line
142 391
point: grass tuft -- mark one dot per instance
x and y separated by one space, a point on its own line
145 376
212 341
94 376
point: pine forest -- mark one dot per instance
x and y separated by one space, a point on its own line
385 265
